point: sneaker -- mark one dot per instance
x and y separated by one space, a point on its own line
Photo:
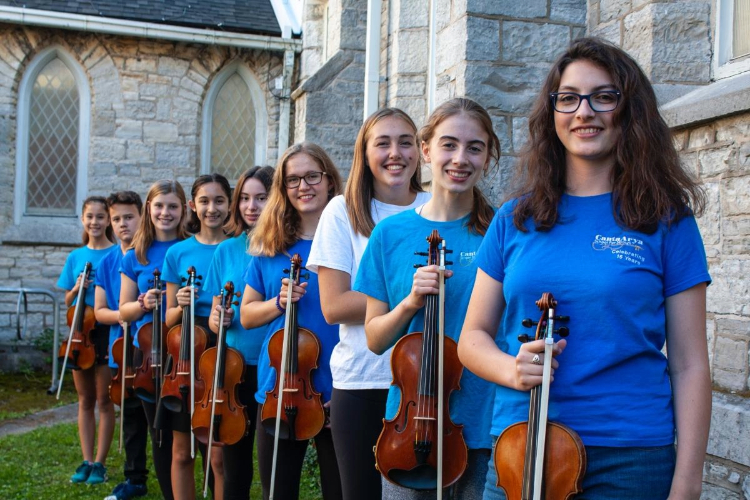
82 472
127 490
98 474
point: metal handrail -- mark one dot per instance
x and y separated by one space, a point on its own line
22 293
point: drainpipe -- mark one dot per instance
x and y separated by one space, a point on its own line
285 102
372 57
431 83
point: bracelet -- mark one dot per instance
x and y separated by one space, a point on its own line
140 303
278 304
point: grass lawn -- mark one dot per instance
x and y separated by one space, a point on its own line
39 464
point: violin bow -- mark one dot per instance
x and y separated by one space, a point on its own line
219 340
81 290
125 333
282 375
441 349
544 406
192 361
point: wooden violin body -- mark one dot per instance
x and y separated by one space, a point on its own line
540 459
81 355
230 424
179 369
125 378
302 415
406 451
151 343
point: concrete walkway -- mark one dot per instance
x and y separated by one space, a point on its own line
46 418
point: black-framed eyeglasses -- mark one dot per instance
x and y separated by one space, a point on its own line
311 179
601 102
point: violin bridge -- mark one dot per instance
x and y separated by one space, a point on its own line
183 373
290 390
76 340
425 418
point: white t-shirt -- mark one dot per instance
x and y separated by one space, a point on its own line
337 246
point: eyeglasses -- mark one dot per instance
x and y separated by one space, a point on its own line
311 179
601 102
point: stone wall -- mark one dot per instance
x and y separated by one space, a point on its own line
719 153
146 109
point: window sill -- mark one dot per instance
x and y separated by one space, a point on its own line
722 98
44 231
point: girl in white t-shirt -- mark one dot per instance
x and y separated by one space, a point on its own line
384 180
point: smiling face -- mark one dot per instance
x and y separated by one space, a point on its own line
306 199
211 205
391 155
95 220
125 220
166 214
588 136
457 153
253 198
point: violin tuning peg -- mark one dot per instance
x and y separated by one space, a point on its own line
285 271
423 254
183 280
527 322
563 331
417 266
199 277
448 262
562 318
448 250
235 303
305 275
523 338
237 294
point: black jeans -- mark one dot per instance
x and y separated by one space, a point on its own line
238 464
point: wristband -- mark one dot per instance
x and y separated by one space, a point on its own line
278 304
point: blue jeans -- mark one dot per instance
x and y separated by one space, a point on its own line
615 474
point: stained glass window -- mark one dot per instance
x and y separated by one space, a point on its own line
233 129
53 142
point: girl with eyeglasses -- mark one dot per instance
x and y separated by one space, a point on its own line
604 220
304 182
384 180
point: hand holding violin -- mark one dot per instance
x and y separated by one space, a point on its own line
425 283
530 361
298 290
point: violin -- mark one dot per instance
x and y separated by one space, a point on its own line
294 352
148 375
220 418
408 452
293 409
77 351
121 390
540 459
185 343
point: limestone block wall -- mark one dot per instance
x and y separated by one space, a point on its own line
146 114
498 53
719 153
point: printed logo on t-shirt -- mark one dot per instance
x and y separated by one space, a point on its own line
466 258
624 248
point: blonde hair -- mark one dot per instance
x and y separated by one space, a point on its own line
146 232
359 187
276 229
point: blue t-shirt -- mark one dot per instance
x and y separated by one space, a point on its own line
264 275
179 258
612 386
108 279
228 264
386 273
143 275
74 265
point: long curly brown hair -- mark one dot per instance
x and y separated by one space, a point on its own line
649 183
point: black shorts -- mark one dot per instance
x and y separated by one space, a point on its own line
100 338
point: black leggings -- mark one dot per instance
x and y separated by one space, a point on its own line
289 464
238 468
356 422
162 455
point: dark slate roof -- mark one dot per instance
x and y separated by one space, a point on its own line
241 16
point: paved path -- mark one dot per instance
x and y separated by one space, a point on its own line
46 418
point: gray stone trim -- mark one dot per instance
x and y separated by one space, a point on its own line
718 99
44 231
326 74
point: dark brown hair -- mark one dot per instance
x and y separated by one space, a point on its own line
236 224
108 231
482 212
359 187
649 184
125 198
193 223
